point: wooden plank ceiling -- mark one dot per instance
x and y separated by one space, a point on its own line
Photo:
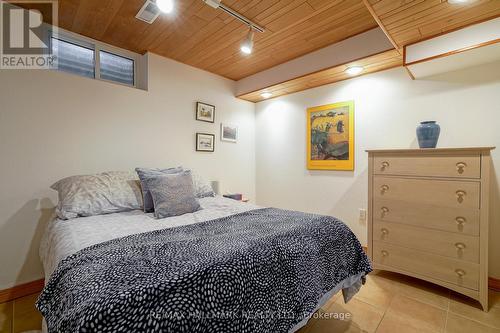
409 21
375 63
198 35
203 37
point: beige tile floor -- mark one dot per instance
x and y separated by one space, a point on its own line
393 303
387 303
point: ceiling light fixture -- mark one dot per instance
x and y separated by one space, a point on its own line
166 6
354 70
457 2
218 5
213 3
247 45
266 94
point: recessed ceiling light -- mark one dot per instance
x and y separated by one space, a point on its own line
354 70
457 2
166 6
266 94
247 45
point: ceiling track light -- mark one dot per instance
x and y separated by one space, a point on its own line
218 5
247 45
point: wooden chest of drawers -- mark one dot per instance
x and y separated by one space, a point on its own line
428 216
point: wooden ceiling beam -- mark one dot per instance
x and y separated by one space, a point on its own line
380 24
407 22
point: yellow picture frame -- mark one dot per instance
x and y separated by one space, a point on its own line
329 147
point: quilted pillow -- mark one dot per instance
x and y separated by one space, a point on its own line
104 193
145 173
173 194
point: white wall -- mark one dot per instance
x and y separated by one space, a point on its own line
388 107
54 124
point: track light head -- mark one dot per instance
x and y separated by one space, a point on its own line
213 3
247 45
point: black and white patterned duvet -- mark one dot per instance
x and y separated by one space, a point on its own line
260 271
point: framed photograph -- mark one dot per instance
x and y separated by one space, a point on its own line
228 133
330 137
205 142
205 112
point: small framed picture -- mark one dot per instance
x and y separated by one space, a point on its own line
205 142
228 133
205 112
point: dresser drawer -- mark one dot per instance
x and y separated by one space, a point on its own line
460 166
459 272
462 247
459 220
448 193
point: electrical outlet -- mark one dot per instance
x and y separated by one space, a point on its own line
362 215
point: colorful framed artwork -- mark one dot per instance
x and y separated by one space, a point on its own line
205 142
228 133
205 112
330 137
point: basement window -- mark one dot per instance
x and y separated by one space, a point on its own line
73 58
116 68
93 60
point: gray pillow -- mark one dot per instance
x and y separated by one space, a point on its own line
145 173
104 193
202 188
173 194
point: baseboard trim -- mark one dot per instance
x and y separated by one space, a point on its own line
494 284
21 290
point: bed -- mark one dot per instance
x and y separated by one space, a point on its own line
229 267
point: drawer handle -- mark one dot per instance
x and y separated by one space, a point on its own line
460 246
384 188
385 253
384 165
460 221
384 211
384 231
461 167
460 195
460 272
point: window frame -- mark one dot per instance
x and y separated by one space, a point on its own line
82 45
97 47
134 64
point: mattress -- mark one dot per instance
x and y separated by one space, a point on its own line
63 238
343 261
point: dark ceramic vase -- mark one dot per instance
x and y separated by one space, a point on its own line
428 134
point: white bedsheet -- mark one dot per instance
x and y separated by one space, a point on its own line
64 238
